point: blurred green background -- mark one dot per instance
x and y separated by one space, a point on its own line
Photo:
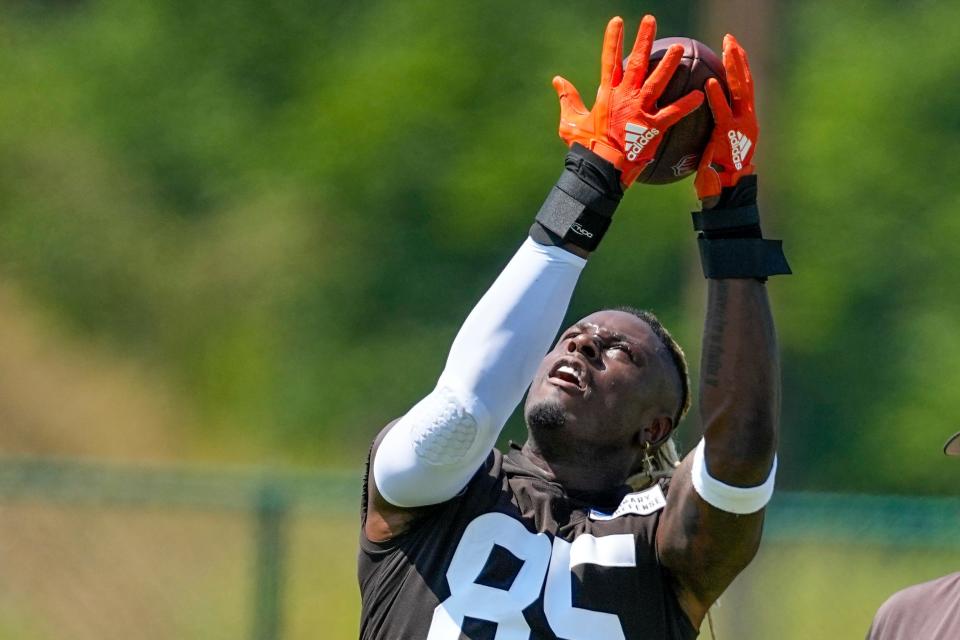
244 233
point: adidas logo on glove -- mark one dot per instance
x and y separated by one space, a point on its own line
637 138
739 147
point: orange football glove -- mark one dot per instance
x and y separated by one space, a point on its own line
625 126
733 142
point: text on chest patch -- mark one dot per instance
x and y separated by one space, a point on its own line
641 503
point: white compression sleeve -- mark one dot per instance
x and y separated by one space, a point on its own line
739 500
431 453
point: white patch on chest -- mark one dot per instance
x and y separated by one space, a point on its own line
641 503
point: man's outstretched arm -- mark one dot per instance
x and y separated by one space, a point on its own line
706 546
712 523
430 454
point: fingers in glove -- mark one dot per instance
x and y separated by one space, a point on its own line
741 54
570 99
707 182
673 113
735 76
654 85
611 59
639 58
718 102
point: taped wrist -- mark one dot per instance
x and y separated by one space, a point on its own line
731 241
579 208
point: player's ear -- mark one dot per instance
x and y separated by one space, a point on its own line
656 432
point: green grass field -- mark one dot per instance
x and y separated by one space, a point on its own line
324 597
822 591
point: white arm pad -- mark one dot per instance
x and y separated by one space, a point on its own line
432 452
739 500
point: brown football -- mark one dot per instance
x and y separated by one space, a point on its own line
679 152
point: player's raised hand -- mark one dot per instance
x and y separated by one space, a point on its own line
625 126
733 142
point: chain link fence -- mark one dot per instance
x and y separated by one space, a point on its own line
96 551
93 551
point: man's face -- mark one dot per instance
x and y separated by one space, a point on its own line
607 378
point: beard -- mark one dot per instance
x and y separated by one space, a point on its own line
546 416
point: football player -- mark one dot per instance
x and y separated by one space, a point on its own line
926 611
548 541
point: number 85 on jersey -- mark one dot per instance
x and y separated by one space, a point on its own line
543 562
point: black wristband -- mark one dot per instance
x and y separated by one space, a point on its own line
731 241
740 222
742 258
579 208
742 194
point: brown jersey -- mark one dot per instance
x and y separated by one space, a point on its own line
928 611
515 557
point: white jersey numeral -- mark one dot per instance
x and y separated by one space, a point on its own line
467 598
540 562
576 623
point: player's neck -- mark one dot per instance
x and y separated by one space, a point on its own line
578 470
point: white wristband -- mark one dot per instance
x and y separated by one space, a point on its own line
739 500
